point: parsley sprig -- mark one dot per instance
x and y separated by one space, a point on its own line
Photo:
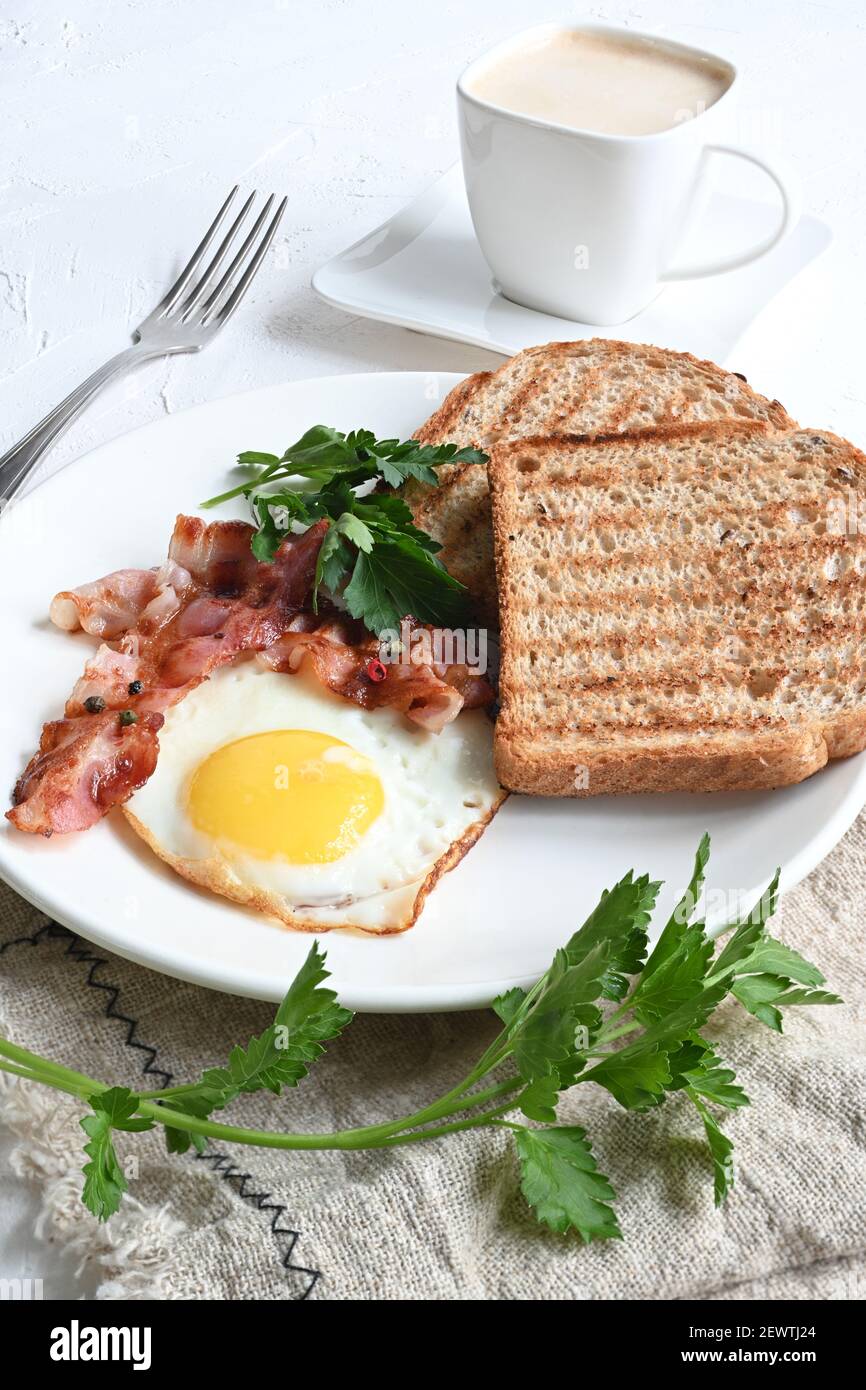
604 1012
373 555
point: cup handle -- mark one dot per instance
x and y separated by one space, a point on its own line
790 195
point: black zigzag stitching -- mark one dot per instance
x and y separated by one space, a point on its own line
76 950
223 1165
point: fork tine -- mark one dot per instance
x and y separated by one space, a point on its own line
249 274
200 251
206 280
238 260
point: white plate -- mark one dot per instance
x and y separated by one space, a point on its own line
423 269
497 918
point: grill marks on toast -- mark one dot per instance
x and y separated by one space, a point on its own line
639 643
457 514
600 387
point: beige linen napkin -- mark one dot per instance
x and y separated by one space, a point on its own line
446 1220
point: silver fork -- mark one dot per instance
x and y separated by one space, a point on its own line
186 320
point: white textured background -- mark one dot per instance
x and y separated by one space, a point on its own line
125 122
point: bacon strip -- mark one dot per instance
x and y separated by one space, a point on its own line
111 606
83 767
339 652
212 601
166 629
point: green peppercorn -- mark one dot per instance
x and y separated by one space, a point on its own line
94 704
127 716
135 687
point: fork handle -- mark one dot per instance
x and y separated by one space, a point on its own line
22 458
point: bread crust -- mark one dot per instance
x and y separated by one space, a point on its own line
714 764
448 418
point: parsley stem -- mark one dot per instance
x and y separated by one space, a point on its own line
233 492
19 1071
369 1136
244 488
608 1034
45 1079
494 1055
503 1088
47 1069
169 1091
20 1062
489 1117
719 975
624 1008
373 1136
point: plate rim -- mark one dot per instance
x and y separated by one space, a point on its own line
206 972
427 999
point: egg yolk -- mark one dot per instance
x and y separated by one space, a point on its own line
292 793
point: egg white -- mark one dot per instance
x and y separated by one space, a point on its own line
440 791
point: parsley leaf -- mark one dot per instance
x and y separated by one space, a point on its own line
399 577
333 563
306 998
559 1179
636 1078
282 1055
104 1179
266 541
677 924
774 958
749 931
308 1017
507 1005
373 555
721 1152
676 979
552 1027
695 1066
538 1100
762 996
620 921
199 1103
762 973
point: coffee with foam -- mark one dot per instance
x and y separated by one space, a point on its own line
611 84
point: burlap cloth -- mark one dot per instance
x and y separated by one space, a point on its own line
446 1220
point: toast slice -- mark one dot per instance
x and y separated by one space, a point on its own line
598 386
682 610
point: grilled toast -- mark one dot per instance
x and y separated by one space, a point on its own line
597 386
683 609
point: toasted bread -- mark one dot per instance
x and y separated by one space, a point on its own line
680 610
597 386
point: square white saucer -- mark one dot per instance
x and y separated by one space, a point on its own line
423 269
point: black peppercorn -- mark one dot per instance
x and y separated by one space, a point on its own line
94 704
135 687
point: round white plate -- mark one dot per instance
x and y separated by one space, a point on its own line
494 921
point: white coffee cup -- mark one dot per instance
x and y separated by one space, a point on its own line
586 225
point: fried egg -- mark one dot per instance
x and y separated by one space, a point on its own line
275 792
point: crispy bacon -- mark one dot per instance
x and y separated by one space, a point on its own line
212 601
83 767
218 556
112 605
166 629
339 652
